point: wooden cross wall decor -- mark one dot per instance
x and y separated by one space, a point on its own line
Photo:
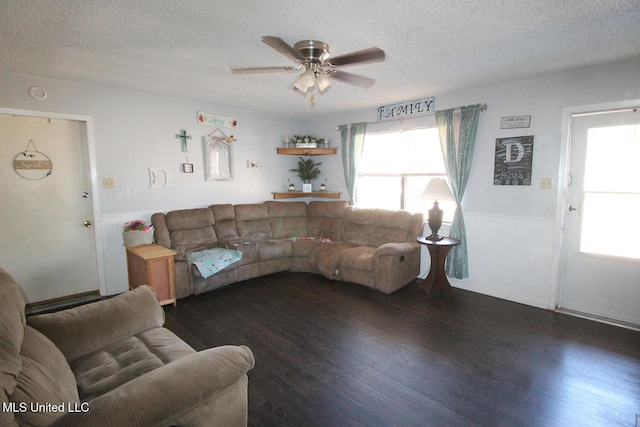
183 137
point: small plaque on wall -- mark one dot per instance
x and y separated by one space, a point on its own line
515 122
32 164
513 161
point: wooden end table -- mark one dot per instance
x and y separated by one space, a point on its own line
153 265
436 280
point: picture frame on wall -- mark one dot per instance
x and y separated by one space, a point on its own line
513 160
219 159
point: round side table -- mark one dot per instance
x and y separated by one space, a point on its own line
436 281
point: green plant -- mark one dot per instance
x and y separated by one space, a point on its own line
301 138
307 170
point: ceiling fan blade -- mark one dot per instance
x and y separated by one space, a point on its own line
283 47
373 54
353 79
264 70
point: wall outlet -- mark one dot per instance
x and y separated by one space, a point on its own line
254 164
108 183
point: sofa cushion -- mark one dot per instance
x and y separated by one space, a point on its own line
225 221
252 221
194 240
101 323
12 321
191 229
249 249
116 364
287 219
325 257
274 249
46 378
375 227
358 258
326 219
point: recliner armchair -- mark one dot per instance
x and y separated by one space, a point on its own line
112 363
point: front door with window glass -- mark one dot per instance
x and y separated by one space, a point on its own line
600 268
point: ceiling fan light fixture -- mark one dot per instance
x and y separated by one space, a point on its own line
322 82
318 68
300 85
308 78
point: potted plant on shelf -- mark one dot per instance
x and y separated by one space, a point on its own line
305 141
307 171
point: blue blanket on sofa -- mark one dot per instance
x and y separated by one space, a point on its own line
210 261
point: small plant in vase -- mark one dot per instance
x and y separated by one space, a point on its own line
306 141
307 171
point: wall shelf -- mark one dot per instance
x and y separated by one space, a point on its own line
307 151
297 194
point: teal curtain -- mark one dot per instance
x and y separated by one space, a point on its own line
458 128
352 139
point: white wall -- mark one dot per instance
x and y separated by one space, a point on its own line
512 230
134 131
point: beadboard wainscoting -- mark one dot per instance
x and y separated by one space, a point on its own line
511 257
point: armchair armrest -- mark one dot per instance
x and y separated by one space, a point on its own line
396 264
403 248
101 323
194 390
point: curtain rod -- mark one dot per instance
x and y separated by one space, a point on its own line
483 107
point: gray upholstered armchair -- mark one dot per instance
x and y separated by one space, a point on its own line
112 363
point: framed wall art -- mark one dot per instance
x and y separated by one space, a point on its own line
219 156
513 161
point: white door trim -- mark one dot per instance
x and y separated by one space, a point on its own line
561 197
93 177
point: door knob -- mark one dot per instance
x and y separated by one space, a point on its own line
571 208
87 224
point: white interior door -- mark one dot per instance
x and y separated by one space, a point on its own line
48 243
600 265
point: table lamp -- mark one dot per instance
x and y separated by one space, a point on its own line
436 189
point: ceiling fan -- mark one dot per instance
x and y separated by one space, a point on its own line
319 67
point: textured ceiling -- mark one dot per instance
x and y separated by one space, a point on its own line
185 48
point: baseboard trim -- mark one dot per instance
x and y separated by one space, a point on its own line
596 318
57 304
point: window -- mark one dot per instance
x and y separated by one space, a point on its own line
611 190
396 166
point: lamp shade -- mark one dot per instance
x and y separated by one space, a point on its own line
437 189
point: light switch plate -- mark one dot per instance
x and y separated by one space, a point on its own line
546 183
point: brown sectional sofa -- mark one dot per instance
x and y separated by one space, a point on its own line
373 247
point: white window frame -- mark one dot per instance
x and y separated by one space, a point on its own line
404 196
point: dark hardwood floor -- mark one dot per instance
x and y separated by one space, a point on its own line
338 354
